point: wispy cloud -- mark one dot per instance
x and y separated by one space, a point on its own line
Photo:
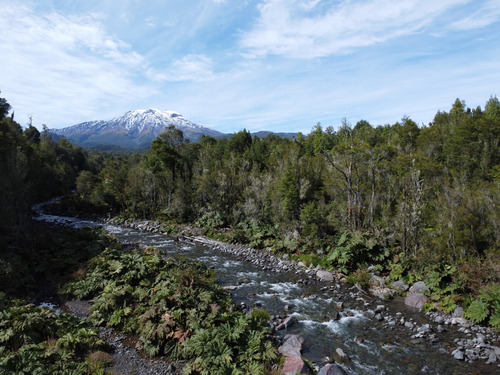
69 62
485 14
310 29
188 68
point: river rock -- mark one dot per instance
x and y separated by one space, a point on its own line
383 293
340 356
294 365
418 287
287 322
400 285
458 354
492 358
292 346
331 369
324 275
458 312
416 300
377 281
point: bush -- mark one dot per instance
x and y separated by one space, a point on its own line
354 249
486 306
361 277
38 341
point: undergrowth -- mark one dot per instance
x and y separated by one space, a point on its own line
36 340
177 309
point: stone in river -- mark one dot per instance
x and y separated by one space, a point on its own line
287 322
292 346
340 356
331 369
492 358
294 365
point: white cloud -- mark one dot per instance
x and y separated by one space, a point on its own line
188 68
485 15
62 68
309 29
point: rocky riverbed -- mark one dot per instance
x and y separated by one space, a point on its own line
451 333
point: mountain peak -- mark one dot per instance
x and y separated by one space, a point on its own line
135 129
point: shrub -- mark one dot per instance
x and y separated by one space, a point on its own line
361 277
38 341
354 249
486 306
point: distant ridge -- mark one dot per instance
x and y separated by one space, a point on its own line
134 130
265 133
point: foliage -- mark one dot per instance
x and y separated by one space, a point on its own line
38 340
177 309
354 250
477 311
487 305
361 276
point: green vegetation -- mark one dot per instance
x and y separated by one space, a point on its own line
486 306
416 202
177 309
36 340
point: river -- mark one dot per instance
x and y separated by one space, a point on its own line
373 346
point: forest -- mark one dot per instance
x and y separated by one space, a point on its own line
412 202
419 202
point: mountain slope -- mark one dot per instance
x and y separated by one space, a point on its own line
135 129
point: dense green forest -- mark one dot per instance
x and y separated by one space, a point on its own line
416 202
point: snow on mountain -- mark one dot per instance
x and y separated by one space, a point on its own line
135 129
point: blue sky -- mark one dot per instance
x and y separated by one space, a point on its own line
279 65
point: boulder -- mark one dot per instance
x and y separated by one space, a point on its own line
383 293
335 315
416 300
418 287
287 322
400 285
377 281
331 369
324 275
294 365
340 356
292 346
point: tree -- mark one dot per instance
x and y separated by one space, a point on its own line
4 108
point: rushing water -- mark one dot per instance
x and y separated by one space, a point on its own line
372 347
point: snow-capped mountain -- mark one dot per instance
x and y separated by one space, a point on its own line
135 129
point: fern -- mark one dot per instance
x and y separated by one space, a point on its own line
477 311
495 320
491 293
